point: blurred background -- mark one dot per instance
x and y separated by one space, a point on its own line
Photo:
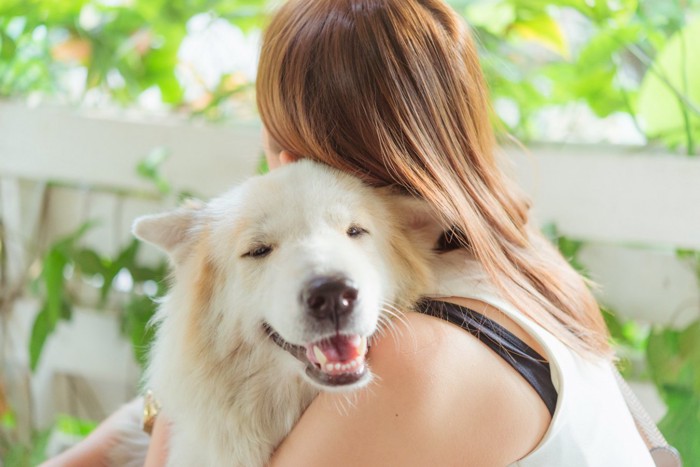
114 108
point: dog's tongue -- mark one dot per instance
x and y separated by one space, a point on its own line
337 349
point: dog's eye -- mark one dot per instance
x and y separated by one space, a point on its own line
356 231
259 251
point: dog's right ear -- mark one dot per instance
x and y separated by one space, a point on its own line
172 231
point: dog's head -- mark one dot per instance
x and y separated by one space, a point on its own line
305 259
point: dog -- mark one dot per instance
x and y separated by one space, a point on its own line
278 288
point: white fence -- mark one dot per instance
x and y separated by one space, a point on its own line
632 209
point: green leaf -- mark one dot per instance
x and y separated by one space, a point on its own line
7 47
613 323
669 96
143 273
44 325
689 350
673 357
74 426
543 30
52 273
126 259
493 16
127 256
681 427
89 262
139 313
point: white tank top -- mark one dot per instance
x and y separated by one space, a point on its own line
591 425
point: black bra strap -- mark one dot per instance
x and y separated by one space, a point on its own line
517 353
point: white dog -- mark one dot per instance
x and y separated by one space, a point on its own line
277 288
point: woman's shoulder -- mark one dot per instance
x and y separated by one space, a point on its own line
439 396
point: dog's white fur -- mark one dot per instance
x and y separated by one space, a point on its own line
231 393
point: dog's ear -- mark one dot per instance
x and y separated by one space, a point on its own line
419 220
172 231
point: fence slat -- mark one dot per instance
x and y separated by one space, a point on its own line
597 194
64 145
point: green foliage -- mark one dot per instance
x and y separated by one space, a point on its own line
673 357
21 455
669 99
16 454
56 304
66 255
74 426
124 48
638 59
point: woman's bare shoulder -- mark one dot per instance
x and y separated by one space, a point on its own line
439 397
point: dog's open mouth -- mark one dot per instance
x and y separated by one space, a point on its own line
333 361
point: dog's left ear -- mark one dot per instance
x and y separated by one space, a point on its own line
172 231
420 221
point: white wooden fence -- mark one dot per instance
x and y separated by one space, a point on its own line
632 209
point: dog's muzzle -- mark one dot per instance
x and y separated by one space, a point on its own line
334 362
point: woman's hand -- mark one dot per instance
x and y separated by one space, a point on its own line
96 449
158 449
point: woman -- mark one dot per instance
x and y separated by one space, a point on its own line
392 92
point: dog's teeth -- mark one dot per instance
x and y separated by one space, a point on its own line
363 345
337 366
329 367
353 363
320 356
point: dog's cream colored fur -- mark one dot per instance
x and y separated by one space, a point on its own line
231 393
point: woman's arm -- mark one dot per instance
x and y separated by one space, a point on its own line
158 449
439 397
94 451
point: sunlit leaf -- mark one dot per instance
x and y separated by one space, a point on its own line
669 89
7 47
543 30
493 16
74 426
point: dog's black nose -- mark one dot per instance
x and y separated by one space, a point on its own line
330 297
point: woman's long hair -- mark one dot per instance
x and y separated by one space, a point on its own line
392 91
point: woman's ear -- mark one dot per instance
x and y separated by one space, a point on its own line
287 157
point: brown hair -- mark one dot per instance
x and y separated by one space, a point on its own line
392 91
